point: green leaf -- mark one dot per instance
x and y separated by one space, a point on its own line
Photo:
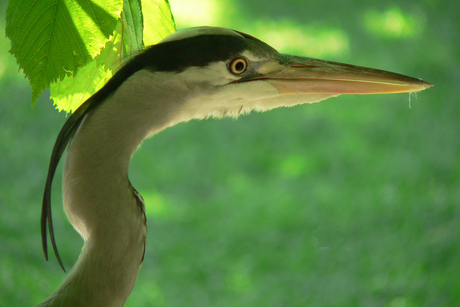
158 21
133 26
54 38
70 93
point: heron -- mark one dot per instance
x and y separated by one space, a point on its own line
195 73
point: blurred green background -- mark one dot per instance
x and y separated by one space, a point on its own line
353 201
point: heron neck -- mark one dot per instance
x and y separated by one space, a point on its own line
98 197
97 160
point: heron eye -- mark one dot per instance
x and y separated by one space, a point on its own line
238 66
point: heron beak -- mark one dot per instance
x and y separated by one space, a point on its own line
301 75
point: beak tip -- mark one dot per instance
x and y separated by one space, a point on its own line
428 84
423 85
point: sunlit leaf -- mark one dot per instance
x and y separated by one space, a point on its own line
158 21
68 94
133 26
54 38
127 40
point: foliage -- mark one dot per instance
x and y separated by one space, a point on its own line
75 46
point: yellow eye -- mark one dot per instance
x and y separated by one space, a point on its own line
238 66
